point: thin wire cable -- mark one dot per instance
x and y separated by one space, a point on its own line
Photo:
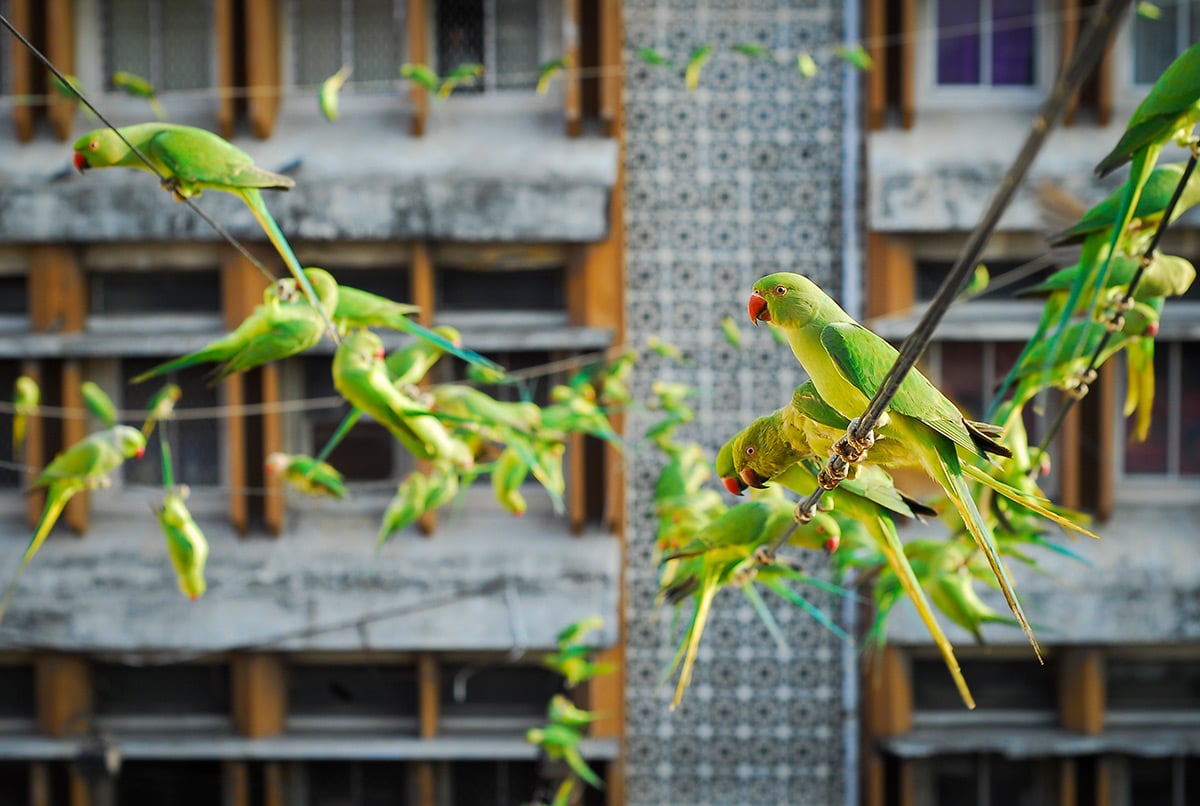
1091 45
163 179
1117 317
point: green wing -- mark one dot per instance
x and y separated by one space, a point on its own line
863 359
81 459
201 157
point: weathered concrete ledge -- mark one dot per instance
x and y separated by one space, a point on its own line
486 582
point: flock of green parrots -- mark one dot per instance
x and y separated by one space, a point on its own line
986 470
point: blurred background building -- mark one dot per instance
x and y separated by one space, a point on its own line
617 206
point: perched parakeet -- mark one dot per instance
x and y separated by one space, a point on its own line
273 331
98 403
696 60
806 65
463 75
508 474
564 712
360 375
754 50
412 362
186 544
194 160
847 363
327 95
420 74
548 72
653 58
855 55
733 334
406 506
26 397
137 86
161 407
83 466
307 475
573 634
561 743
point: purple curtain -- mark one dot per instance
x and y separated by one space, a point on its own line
1012 43
958 42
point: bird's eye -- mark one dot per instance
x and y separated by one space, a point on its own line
780 290
92 146
750 450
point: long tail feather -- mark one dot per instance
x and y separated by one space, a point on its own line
699 621
254 200
884 532
764 614
56 498
948 471
1031 502
799 601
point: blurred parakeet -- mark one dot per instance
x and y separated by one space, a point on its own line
421 75
194 160
273 331
406 506
26 396
307 475
548 72
463 75
99 403
161 408
186 544
327 95
653 58
137 86
847 363
83 466
561 743
696 60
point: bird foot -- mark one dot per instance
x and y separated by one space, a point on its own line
851 448
745 571
1193 146
833 473
802 515
1079 386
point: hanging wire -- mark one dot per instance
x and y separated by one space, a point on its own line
1117 320
1091 45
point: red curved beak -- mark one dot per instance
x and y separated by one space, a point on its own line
758 308
140 453
733 484
832 543
380 353
1152 329
81 163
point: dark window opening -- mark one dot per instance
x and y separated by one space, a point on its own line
155 292
196 450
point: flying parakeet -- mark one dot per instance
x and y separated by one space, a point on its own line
137 86
754 50
463 75
275 330
549 71
561 743
405 508
327 96
653 58
307 475
696 60
847 363
186 544
194 160
83 466
421 75
26 396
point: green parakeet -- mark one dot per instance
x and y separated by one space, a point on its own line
412 362
564 712
1152 203
733 334
83 466
141 88
574 664
406 506
194 160
26 397
847 363
186 544
653 58
327 95
561 743
855 55
508 474
275 330
98 403
696 60
463 75
548 72
421 75
307 475
360 375
754 50
161 408
573 634
806 65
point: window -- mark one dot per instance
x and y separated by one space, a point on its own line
510 38
168 43
1156 43
499 699
356 783
161 696
986 779
1172 448
367 34
196 452
134 292
330 695
986 43
186 783
10 479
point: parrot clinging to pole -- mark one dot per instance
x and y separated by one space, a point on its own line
83 466
193 160
186 544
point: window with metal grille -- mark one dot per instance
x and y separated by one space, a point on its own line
330 695
196 452
169 43
502 698
510 38
153 292
369 35
180 783
357 783
1156 42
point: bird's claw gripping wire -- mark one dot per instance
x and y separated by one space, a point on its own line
803 515
834 473
852 447
1079 386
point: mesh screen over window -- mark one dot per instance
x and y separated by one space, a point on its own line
168 43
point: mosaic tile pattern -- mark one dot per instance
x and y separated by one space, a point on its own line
733 181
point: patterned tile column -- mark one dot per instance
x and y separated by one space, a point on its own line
735 180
